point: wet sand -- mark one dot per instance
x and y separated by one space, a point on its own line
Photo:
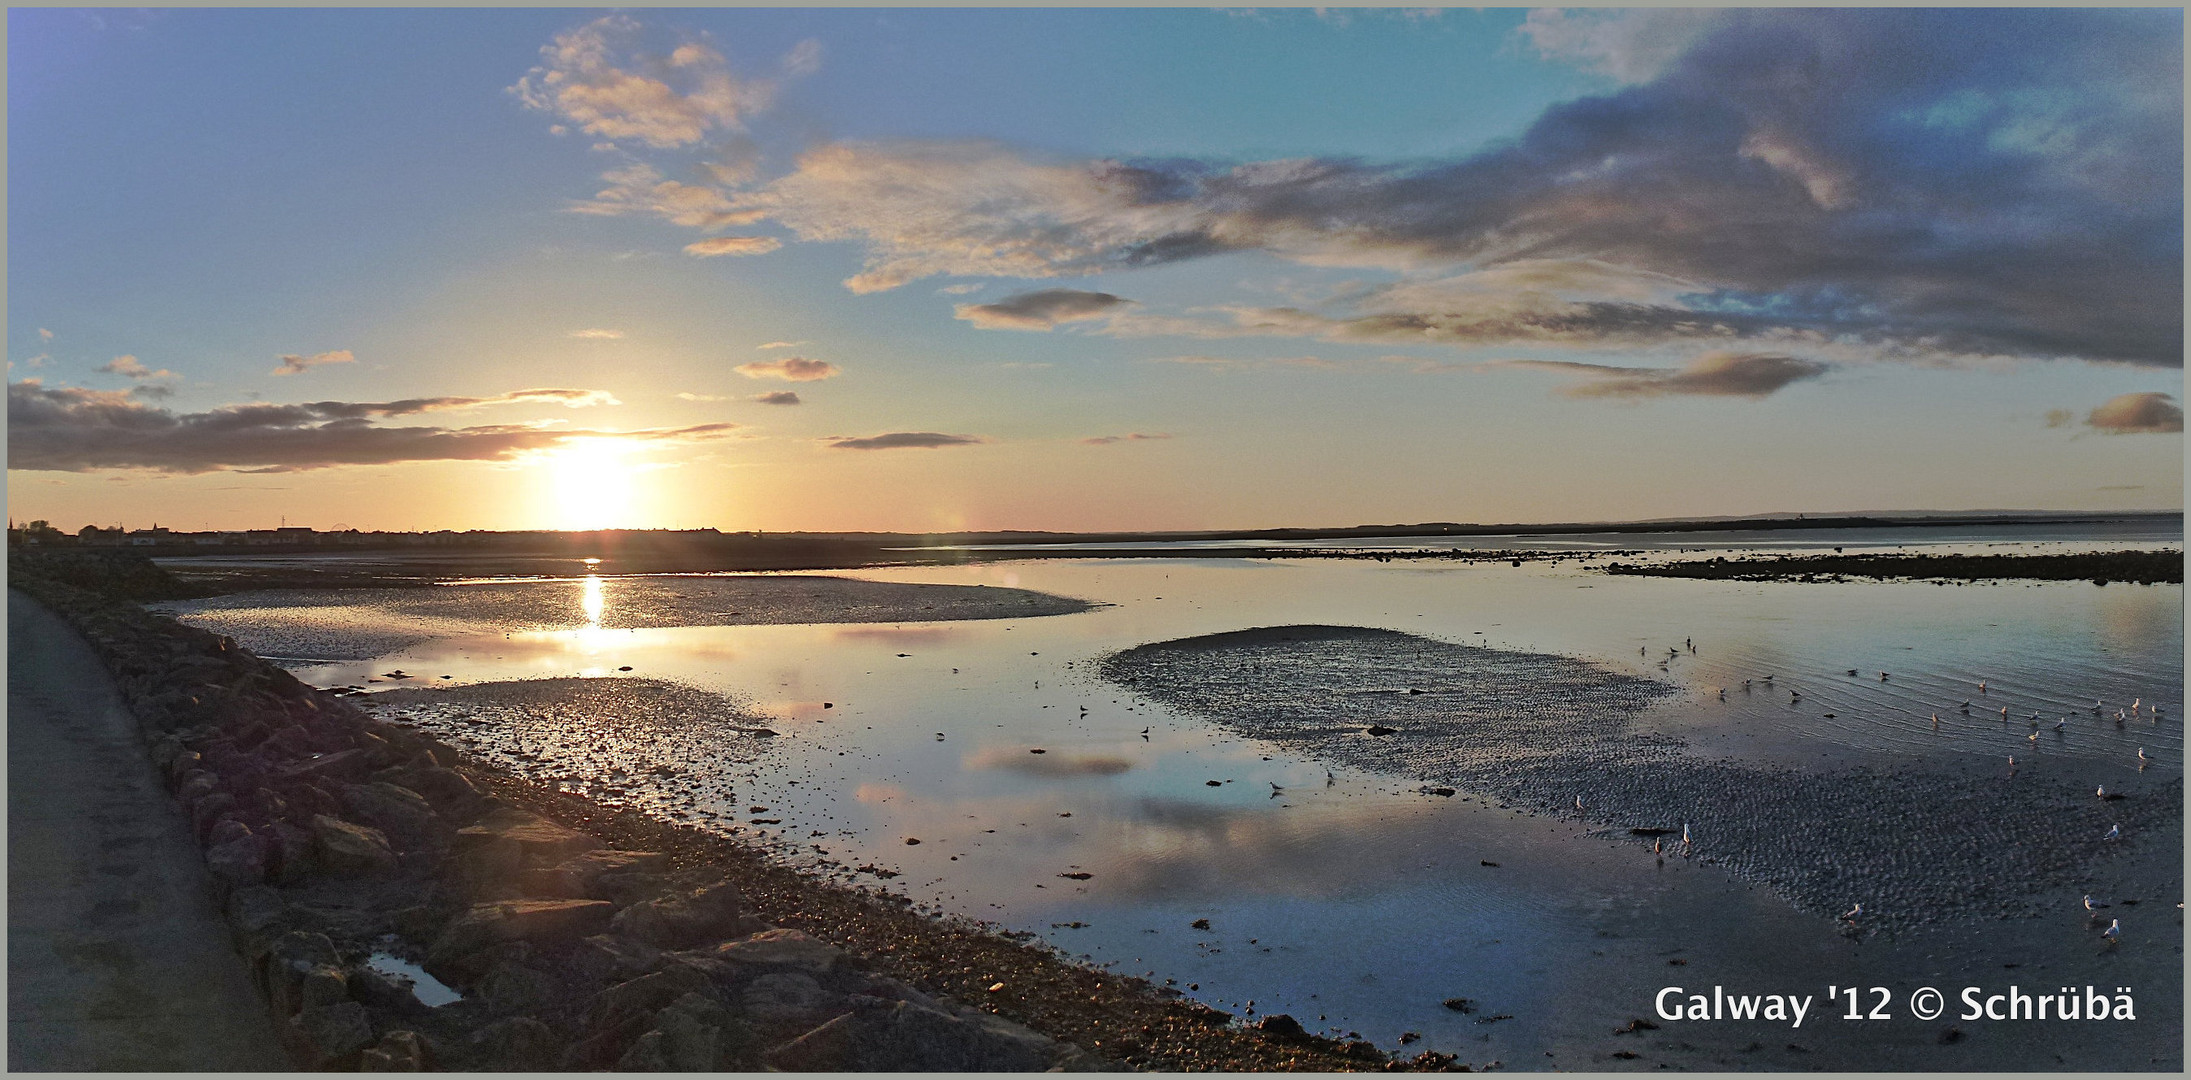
1549 734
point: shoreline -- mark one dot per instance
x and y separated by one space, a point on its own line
324 858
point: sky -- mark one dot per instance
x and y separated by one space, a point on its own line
915 270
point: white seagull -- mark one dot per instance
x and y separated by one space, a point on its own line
1851 914
2114 930
2059 724
2114 832
2142 759
1578 802
2089 905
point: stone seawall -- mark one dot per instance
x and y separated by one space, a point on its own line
342 845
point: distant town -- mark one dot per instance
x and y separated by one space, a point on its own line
43 534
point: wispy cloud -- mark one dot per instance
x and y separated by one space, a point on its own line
68 429
598 334
903 440
1106 440
1040 310
733 245
45 334
2132 414
1714 374
294 364
778 397
782 344
789 369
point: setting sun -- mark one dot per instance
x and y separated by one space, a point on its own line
591 484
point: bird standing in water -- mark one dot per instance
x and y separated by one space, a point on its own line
2114 931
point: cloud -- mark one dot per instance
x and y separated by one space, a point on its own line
904 440
1039 310
1106 440
733 245
805 58
45 334
641 189
960 289
686 395
2130 414
292 364
1714 374
67 429
1924 183
778 397
598 334
782 344
131 367
789 369
597 78
2059 418
1051 764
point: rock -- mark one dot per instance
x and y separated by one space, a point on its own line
648 1054
511 987
517 920
903 1037
345 848
207 810
327 1035
788 949
255 909
518 1044
507 841
240 862
599 875
288 852
227 831
700 1035
445 788
196 784
324 984
288 961
397 811
789 999
340 765
383 991
1282 1026
677 922
397 1051
646 994
607 958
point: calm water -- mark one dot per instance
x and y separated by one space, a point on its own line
1352 902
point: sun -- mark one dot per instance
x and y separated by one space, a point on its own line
591 485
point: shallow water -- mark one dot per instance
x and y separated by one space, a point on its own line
1353 903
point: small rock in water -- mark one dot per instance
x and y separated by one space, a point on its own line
1379 730
1461 1004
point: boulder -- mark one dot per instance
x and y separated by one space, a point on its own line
345 848
397 1051
607 958
397 811
340 765
646 994
328 1036
288 852
506 841
605 874
238 863
790 999
784 949
689 919
511 987
518 1044
518 920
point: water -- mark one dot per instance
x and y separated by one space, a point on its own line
430 992
1354 903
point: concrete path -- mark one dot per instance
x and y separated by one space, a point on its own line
117 958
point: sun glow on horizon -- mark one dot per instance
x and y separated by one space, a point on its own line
592 484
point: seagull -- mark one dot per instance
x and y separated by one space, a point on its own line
1851 914
2096 703
2114 930
1578 802
1658 845
1935 719
2012 761
2114 832
1981 686
1852 671
2142 759
1274 785
2103 791
1794 697
2134 703
2034 737
1684 834
2059 724
1966 704
1722 693
2004 712
1768 678
1882 676
2089 905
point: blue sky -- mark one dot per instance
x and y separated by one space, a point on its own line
1088 269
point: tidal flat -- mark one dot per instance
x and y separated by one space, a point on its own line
1196 829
